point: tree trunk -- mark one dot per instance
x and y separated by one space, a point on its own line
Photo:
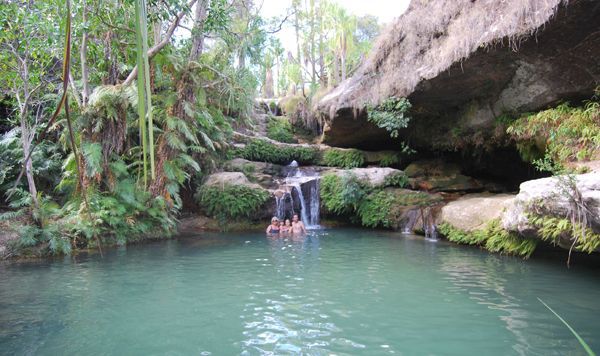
269 83
198 30
26 139
85 91
336 70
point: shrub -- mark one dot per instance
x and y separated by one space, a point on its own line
231 201
347 158
398 179
570 134
389 159
262 150
280 129
390 115
342 195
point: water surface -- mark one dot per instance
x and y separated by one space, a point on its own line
333 292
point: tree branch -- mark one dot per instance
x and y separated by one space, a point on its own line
154 50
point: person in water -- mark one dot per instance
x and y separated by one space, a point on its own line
286 227
298 226
273 228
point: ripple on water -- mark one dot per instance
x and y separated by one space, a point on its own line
334 292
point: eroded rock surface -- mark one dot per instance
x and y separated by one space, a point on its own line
473 211
468 67
554 195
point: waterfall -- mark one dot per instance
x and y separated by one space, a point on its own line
303 183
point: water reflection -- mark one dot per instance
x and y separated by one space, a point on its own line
291 320
485 281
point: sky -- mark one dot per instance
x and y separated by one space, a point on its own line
385 10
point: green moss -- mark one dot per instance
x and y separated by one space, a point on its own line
344 158
280 129
264 151
493 238
568 133
230 201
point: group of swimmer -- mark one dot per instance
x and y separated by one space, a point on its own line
295 227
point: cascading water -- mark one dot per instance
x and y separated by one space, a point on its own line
305 185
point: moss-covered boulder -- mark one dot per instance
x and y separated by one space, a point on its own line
564 210
393 207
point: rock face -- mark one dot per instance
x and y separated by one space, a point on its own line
473 211
440 176
553 195
375 176
230 178
465 66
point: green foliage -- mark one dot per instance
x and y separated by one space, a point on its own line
46 158
374 210
461 237
389 160
390 115
492 237
569 134
344 158
264 151
583 344
385 207
398 179
342 195
280 129
230 201
502 241
552 229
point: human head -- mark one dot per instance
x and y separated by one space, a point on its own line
295 218
287 222
274 220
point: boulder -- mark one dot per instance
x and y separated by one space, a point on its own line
230 178
439 176
374 176
473 211
553 194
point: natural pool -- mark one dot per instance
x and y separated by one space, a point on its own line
332 292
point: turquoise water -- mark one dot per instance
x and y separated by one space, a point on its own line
333 292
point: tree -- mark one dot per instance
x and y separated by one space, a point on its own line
29 70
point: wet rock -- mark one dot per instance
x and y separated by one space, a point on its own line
473 211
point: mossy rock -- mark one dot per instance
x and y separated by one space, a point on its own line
389 207
342 158
278 153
